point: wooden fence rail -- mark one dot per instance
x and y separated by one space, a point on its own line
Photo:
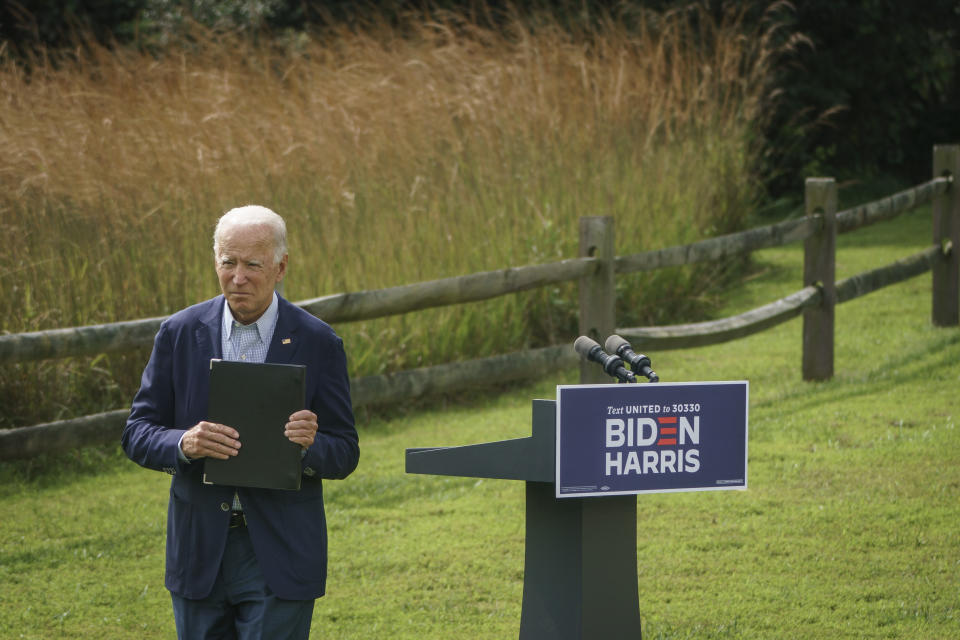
366 305
594 269
700 334
340 307
104 428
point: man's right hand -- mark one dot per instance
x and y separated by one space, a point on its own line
210 439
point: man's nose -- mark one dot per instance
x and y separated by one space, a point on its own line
239 275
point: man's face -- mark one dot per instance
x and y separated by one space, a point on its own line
247 272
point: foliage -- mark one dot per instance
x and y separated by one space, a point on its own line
862 87
25 26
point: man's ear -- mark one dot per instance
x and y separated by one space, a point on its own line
282 267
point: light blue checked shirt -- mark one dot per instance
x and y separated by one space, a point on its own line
248 342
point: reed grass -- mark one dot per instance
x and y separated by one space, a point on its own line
400 152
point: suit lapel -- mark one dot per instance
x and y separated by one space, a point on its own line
207 335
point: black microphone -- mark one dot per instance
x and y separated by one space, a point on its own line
637 361
612 365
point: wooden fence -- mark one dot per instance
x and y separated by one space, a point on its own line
595 269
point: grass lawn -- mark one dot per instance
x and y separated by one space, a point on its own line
848 528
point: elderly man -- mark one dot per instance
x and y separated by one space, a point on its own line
243 562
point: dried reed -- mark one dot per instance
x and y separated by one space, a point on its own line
397 153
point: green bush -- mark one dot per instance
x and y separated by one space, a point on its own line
861 88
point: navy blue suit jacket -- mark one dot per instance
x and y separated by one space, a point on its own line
287 528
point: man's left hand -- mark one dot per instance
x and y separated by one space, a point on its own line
302 428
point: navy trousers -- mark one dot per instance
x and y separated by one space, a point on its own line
241 605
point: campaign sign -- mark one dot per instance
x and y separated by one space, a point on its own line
617 439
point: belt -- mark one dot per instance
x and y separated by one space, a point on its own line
237 519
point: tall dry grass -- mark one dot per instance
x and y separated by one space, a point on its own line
397 153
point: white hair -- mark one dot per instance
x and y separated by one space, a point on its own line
253 215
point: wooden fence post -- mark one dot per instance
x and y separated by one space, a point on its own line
946 227
819 269
597 293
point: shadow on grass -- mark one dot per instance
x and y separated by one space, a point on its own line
931 359
386 492
52 469
108 543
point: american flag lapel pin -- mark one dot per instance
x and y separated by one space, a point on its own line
285 341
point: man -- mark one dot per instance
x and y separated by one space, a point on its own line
241 562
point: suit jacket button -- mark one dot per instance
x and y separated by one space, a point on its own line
224 506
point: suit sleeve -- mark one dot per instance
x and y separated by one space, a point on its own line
335 451
147 437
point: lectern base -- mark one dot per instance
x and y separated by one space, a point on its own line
580 578
580 573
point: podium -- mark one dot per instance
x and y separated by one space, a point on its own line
580 559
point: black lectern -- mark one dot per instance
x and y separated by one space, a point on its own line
580 573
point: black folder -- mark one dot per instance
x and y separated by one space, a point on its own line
257 400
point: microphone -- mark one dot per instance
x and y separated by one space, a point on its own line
612 365
637 361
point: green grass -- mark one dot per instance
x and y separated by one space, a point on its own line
848 528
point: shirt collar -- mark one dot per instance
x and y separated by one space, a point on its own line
263 324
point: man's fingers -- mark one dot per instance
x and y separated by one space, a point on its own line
209 439
221 429
304 414
302 427
301 424
216 449
210 453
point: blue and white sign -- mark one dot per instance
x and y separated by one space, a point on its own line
615 439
